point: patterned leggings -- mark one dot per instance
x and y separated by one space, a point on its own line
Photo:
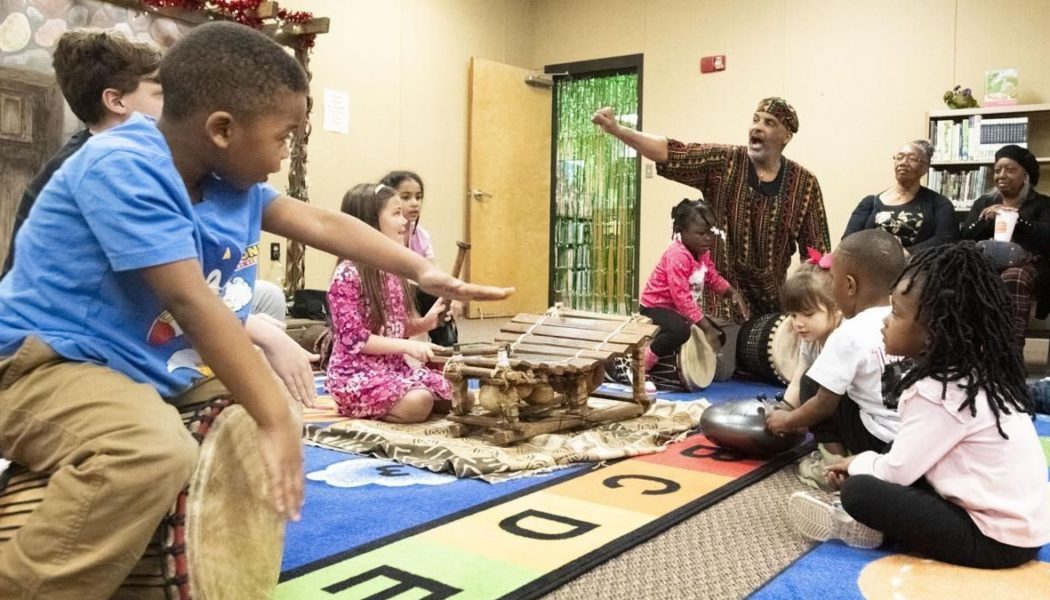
1020 283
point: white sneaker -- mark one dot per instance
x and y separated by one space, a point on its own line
821 520
650 387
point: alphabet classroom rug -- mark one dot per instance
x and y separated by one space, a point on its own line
834 570
375 528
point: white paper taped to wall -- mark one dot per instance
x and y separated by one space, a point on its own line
336 111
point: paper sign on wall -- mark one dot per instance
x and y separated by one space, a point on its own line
336 111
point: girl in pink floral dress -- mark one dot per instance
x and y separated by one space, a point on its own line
372 317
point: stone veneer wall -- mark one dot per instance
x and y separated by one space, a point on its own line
29 30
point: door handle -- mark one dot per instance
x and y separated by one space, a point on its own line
478 195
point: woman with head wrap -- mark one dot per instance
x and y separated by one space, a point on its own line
1016 175
917 215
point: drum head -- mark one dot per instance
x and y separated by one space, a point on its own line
696 362
783 349
234 537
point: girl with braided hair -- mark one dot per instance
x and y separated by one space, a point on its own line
965 480
673 292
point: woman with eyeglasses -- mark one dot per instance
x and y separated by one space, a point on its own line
917 215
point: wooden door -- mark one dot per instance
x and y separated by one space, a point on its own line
508 174
30 132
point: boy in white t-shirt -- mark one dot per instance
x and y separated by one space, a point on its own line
853 365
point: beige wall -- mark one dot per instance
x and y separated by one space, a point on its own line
861 75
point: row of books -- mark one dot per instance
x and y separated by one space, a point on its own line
962 188
977 137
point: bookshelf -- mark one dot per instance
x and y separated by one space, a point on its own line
965 142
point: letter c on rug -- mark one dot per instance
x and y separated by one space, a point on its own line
670 487
406 582
510 525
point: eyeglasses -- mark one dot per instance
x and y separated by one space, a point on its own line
911 159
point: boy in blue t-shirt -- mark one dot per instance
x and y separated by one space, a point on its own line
155 223
106 78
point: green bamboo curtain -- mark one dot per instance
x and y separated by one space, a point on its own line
595 226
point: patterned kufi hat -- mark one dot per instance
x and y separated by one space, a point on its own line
779 108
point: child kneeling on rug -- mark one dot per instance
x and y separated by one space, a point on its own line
847 408
672 293
965 479
372 316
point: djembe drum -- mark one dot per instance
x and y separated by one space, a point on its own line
767 348
221 539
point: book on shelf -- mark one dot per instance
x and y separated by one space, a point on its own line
961 188
976 138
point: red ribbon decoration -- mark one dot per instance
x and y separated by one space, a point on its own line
816 258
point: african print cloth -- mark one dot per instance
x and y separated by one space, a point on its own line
431 446
762 231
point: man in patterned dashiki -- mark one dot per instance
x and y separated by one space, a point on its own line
770 205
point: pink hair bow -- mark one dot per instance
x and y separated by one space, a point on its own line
816 258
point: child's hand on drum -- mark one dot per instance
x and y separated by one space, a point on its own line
778 422
282 453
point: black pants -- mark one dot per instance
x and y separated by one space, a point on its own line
445 334
674 330
925 522
844 426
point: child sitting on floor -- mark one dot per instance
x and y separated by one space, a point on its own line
847 412
373 314
965 479
672 294
808 299
410 189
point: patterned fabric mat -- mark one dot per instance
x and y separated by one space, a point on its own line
433 446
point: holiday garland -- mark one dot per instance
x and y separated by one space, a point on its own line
245 12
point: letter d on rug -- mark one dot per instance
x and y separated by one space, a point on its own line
511 525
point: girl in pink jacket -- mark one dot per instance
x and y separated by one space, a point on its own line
672 294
